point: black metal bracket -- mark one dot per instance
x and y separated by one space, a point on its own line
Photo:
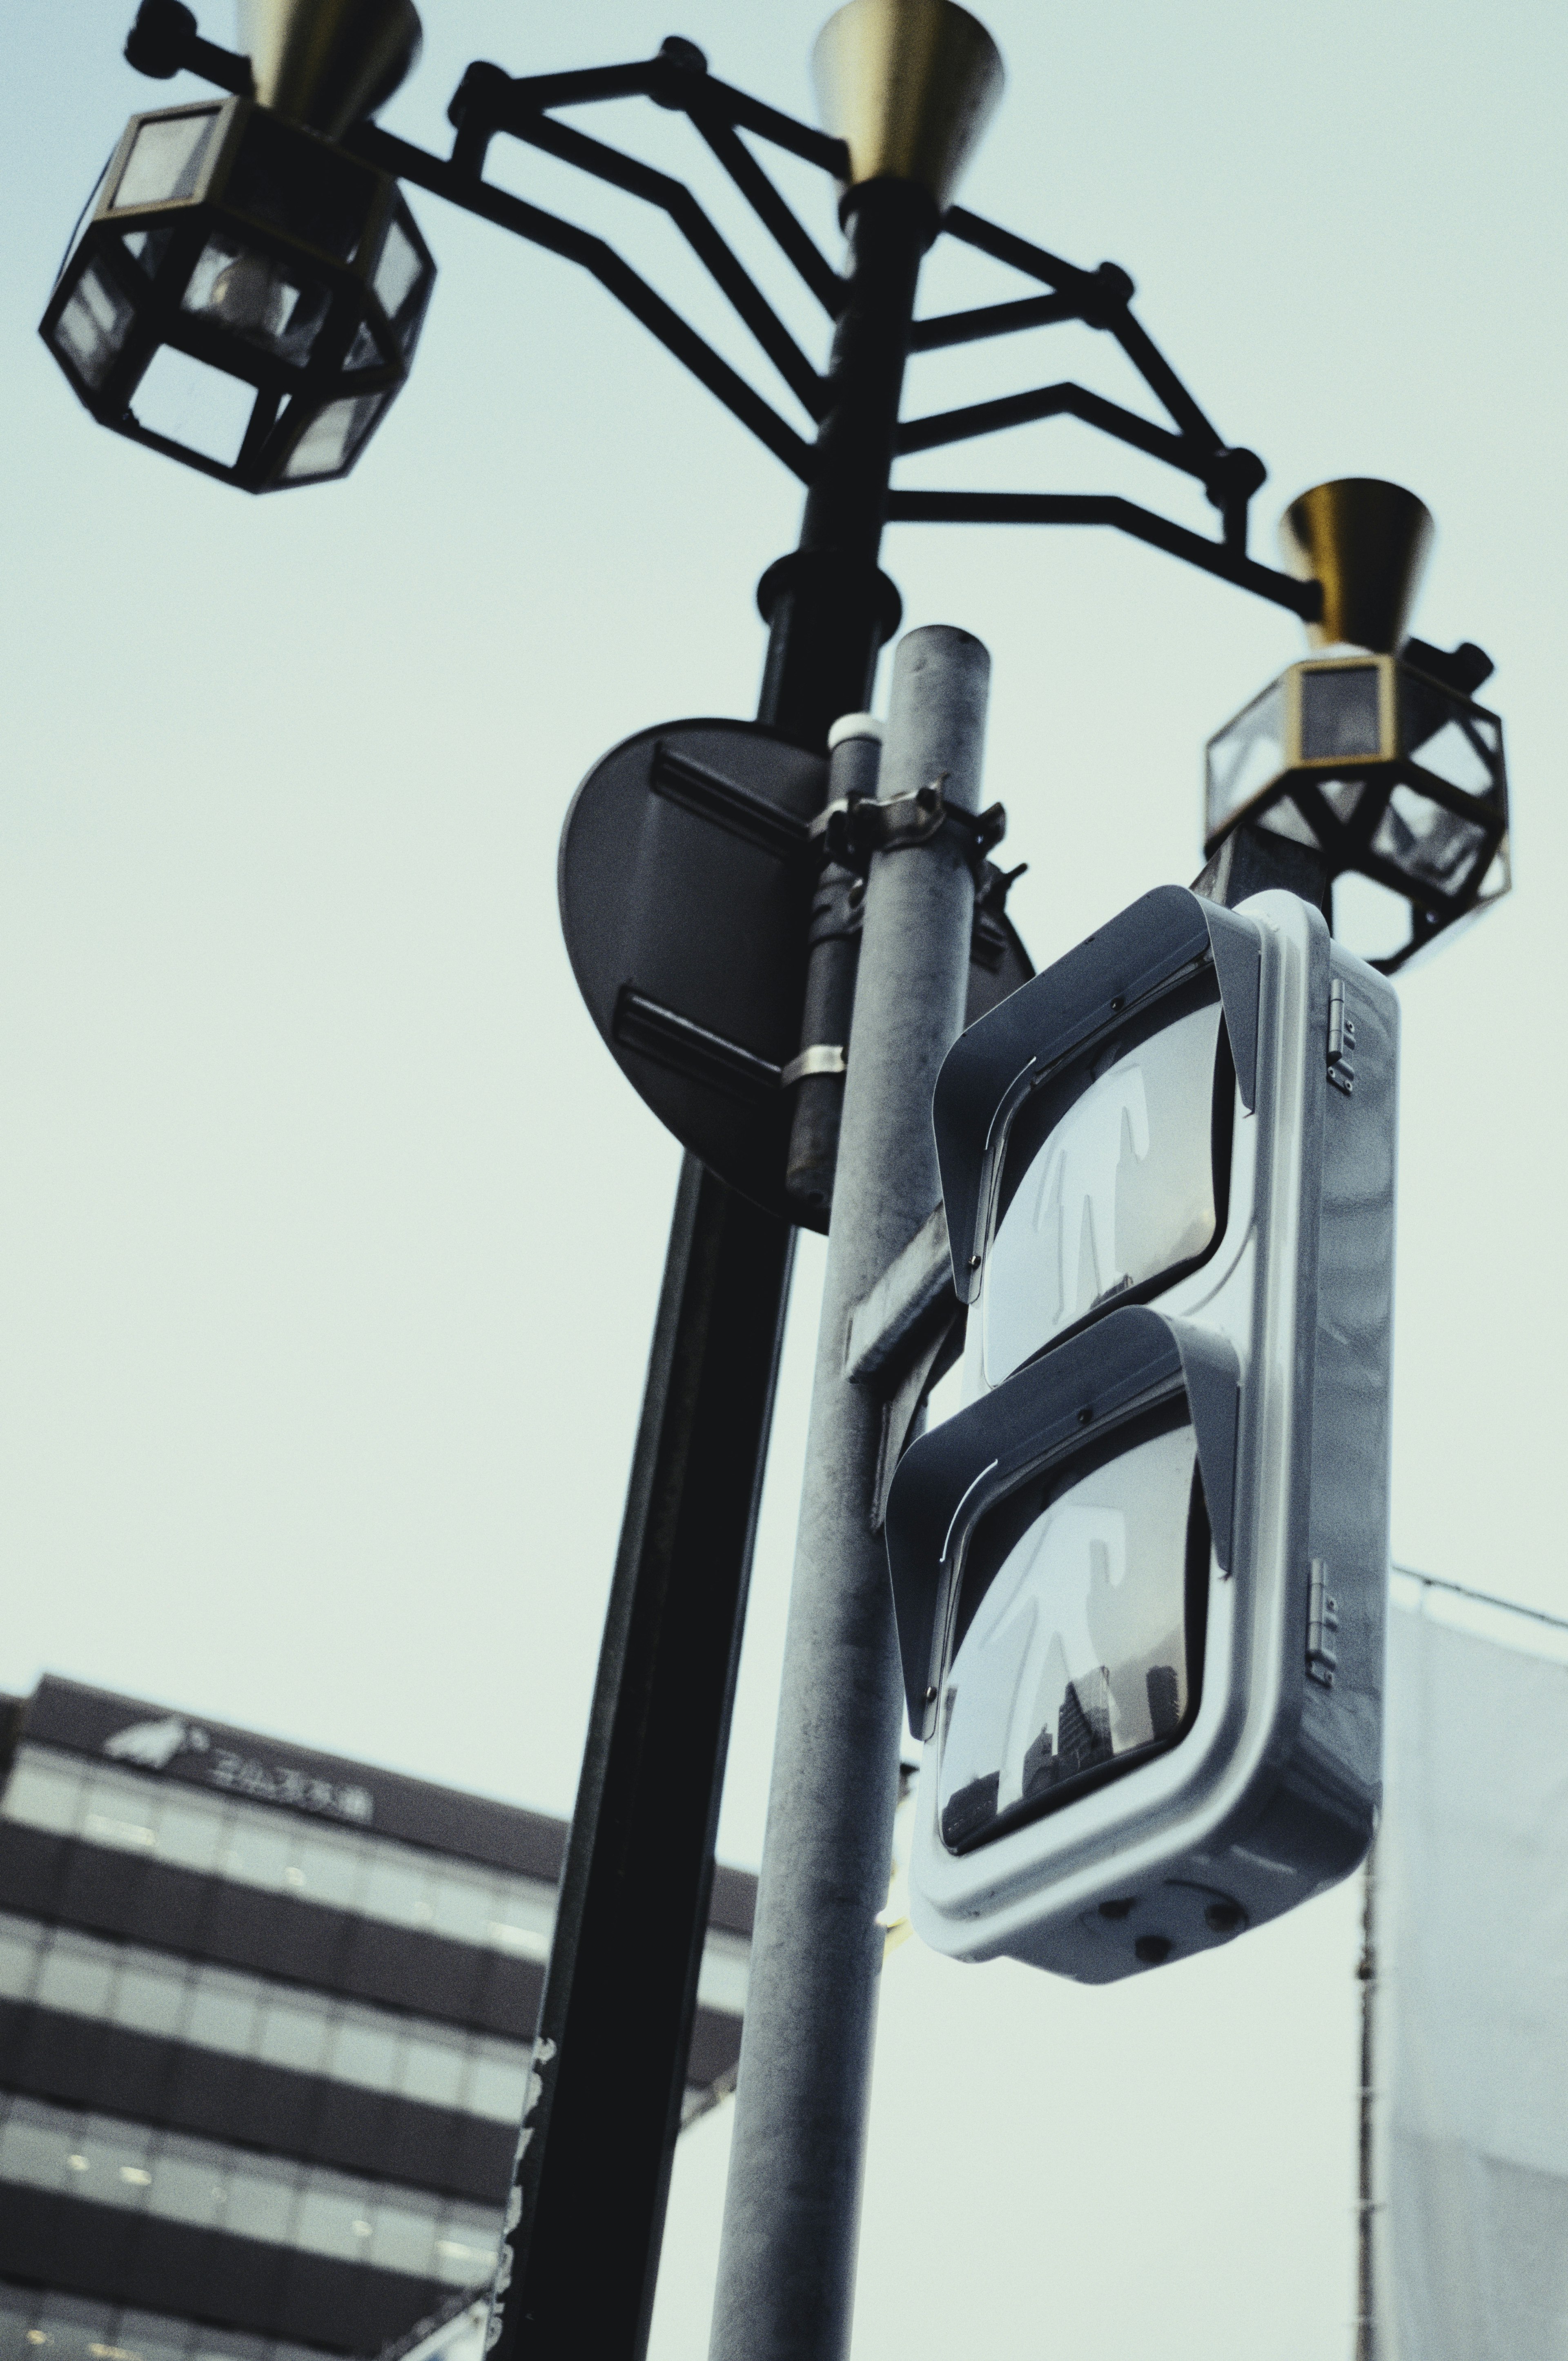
848 832
489 103
165 42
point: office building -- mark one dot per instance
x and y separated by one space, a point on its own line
265 2020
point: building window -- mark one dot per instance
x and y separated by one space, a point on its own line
336 2217
260 1851
250 2017
20 1945
466 1905
294 2029
328 1869
189 1835
76 1974
261 2198
150 1995
364 2050
45 1793
465 2249
399 1890
223 2011
500 2081
407 2228
433 2067
251 2196
275 1851
189 2183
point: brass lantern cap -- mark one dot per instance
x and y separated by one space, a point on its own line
909 85
1368 542
328 63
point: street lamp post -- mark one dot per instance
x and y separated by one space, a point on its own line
907 85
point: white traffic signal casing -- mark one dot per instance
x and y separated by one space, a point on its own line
1140 1578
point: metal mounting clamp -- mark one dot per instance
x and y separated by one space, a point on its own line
848 833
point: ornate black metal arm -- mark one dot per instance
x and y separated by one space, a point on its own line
489 103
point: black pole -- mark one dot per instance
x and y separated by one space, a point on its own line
580 2253
828 606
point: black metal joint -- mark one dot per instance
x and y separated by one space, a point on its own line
159 43
1105 295
164 41
1465 669
680 68
1231 478
481 104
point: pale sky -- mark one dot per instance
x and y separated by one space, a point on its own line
330 1234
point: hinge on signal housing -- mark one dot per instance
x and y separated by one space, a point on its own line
1322 1626
1341 1041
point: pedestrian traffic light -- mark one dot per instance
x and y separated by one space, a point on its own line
1139 1579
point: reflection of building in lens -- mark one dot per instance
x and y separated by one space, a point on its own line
1039 1767
1164 1699
971 1809
1083 1726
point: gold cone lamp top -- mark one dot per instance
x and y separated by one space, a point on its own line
329 63
909 85
1368 542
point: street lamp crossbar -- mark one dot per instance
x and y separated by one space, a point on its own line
488 102
615 275
1122 516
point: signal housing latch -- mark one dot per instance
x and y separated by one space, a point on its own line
1341 1041
1322 1627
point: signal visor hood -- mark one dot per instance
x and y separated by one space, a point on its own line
1167 936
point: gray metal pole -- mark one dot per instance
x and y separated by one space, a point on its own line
787 2261
1366 2206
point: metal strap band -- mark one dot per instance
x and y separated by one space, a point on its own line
822 1057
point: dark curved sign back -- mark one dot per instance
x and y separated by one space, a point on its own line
685 877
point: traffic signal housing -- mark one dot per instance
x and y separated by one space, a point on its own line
1140 1578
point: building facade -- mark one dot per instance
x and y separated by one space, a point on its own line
265 2021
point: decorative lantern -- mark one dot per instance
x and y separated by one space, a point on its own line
1380 761
246 295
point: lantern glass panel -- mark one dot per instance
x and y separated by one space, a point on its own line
1078 1649
1499 875
398 271
1342 796
165 160
258 299
1447 736
1284 819
333 438
1455 757
1116 1188
1340 713
1246 756
146 247
366 352
1427 842
93 325
203 409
